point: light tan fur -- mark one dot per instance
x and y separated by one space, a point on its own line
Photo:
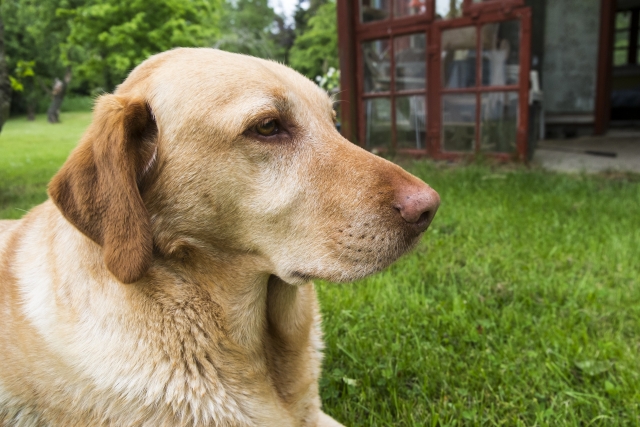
166 281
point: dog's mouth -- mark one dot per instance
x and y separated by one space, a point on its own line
354 261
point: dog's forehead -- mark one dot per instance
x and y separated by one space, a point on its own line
214 76
267 83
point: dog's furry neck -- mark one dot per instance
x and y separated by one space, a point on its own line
249 319
189 344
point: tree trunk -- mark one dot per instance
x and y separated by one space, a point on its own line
31 96
5 85
31 112
58 92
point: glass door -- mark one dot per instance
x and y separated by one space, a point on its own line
482 86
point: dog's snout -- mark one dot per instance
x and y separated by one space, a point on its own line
417 205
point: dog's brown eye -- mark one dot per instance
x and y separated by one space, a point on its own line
268 127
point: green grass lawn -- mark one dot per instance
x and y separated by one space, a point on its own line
30 153
521 305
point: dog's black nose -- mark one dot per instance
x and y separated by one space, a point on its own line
417 204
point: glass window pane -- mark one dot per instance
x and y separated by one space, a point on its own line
410 121
623 20
411 58
448 9
499 122
501 53
409 7
458 122
620 57
377 113
622 39
459 57
374 10
377 65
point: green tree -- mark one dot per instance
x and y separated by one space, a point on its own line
253 28
302 14
108 38
34 34
5 86
315 50
23 80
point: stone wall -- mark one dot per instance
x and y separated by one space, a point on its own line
570 56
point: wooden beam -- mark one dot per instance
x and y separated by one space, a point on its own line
605 66
347 54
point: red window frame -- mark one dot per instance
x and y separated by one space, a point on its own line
474 9
522 88
392 94
352 33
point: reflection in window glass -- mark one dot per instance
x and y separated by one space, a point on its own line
409 7
501 53
410 121
448 9
499 122
374 10
411 60
458 122
622 39
623 20
377 65
459 57
620 57
377 123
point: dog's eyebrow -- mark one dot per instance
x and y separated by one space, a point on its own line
268 107
281 103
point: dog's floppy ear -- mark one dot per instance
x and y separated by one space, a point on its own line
97 188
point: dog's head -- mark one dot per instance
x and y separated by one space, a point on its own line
231 154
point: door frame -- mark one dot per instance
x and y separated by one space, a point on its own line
436 132
605 66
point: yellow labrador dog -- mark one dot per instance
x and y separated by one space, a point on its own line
167 280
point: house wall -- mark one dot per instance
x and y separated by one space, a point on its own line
570 56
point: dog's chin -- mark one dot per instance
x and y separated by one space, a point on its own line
345 272
297 278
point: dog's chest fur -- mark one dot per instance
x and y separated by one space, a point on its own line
165 352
